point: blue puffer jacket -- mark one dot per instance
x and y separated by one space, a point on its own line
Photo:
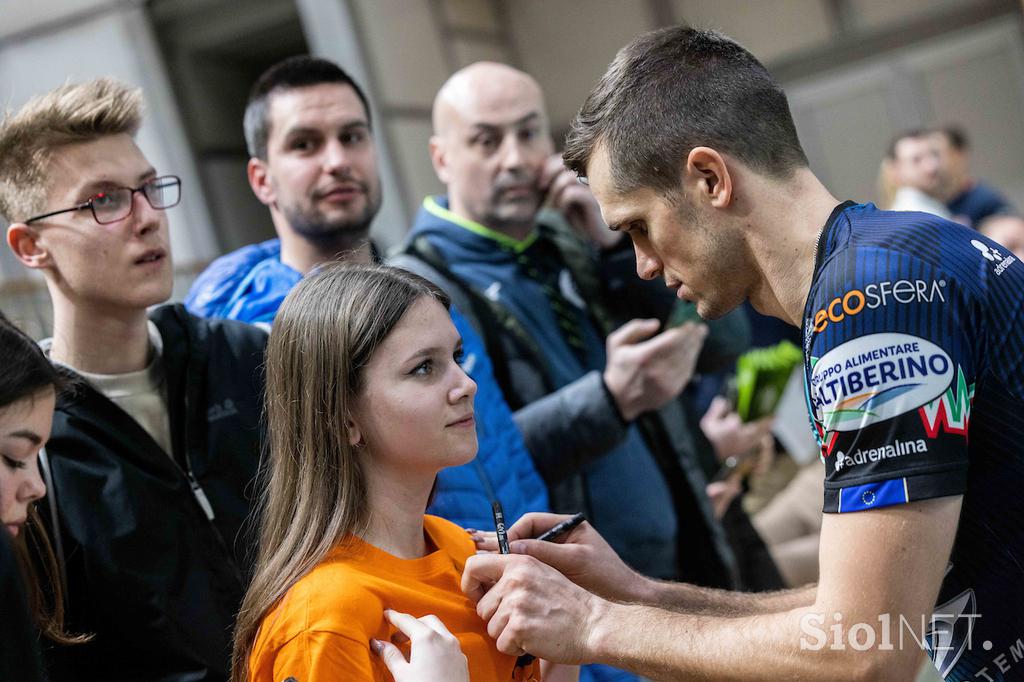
249 285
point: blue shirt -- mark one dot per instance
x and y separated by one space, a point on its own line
978 202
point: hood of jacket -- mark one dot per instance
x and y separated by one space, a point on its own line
247 284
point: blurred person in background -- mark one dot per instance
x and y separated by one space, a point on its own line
913 175
790 524
968 199
1007 230
151 459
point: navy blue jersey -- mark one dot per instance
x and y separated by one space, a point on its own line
914 349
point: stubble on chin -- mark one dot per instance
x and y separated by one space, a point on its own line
314 226
728 271
512 216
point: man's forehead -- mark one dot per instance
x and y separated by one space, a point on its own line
599 178
503 102
314 105
617 208
939 139
114 159
503 118
913 146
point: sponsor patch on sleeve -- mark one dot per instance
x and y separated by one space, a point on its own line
876 377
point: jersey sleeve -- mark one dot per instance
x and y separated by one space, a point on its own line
890 379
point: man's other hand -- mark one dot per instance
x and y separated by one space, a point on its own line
643 372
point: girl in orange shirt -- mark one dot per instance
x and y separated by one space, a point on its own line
366 402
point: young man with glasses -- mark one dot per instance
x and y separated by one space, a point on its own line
150 463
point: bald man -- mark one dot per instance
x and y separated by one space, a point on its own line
1008 230
598 399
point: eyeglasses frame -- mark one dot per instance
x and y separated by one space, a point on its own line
131 203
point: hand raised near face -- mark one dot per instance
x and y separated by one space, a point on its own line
730 435
574 200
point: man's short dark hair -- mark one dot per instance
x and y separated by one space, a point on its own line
294 72
677 88
957 137
914 134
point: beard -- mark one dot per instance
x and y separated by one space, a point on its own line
503 217
311 224
502 213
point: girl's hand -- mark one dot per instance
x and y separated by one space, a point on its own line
435 655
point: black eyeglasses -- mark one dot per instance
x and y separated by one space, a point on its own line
116 204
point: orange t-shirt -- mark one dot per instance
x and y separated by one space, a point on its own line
321 629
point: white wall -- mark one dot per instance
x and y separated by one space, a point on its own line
770 30
974 78
20 16
567 45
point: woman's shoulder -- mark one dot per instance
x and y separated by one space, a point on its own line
336 597
321 627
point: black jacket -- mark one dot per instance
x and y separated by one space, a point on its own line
147 571
19 646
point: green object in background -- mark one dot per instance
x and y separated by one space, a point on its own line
761 376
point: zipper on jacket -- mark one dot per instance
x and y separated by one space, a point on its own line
200 495
197 490
204 503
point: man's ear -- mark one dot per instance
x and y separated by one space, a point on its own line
259 181
27 247
438 158
707 174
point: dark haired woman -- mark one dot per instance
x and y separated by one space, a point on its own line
28 391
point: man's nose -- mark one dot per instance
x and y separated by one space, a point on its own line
513 155
647 267
336 157
145 218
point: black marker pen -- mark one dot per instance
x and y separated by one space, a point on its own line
562 528
499 527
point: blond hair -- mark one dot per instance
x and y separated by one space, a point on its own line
313 491
74 112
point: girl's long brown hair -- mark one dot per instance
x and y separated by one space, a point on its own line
43 583
313 492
